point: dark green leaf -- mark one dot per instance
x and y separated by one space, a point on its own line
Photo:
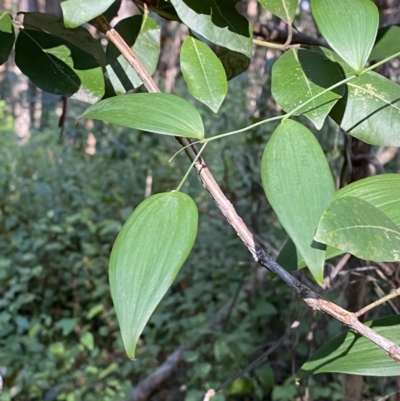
77 12
220 23
351 353
349 27
284 9
370 110
301 74
354 225
203 73
234 62
387 42
142 35
147 255
58 66
161 113
299 185
7 36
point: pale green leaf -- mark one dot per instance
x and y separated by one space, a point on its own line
77 12
355 226
370 110
161 113
284 9
301 74
299 185
142 34
351 353
146 257
203 73
219 22
350 28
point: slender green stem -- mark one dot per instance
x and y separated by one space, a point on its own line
372 67
183 148
191 166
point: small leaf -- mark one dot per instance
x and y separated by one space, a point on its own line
58 66
219 22
351 353
387 42
354 225
350 28
299 185
370 110
142 35
7 36
77 12
284 9
161 113
203 73
147 255
301 74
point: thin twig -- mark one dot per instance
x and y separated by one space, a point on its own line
378 302
313 300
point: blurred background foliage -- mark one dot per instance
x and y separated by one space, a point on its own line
63 199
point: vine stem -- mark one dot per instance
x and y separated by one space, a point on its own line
312 299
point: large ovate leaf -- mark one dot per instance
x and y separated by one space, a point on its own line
161 113
77 12
7 36
219 22
387 42
203 72
299 185
146 257
142 34
57 63
381 191
370 110
354 225
350 28
301 74
284 9
351 353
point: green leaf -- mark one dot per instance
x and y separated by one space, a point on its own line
351 353
350 28
299 185
354 225
147 255
161 113
370 110
77 12
301 74
203 73
387 42
284 9
58 66
234 63
219 22
142 35
7 36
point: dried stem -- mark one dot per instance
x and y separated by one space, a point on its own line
313 300
378 302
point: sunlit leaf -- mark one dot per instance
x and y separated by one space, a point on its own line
219 22
354 225
370 110
146 257
299 185
77 12
350 28
203 73
7 36
160 113
284 9
298 75
351 353
142 34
